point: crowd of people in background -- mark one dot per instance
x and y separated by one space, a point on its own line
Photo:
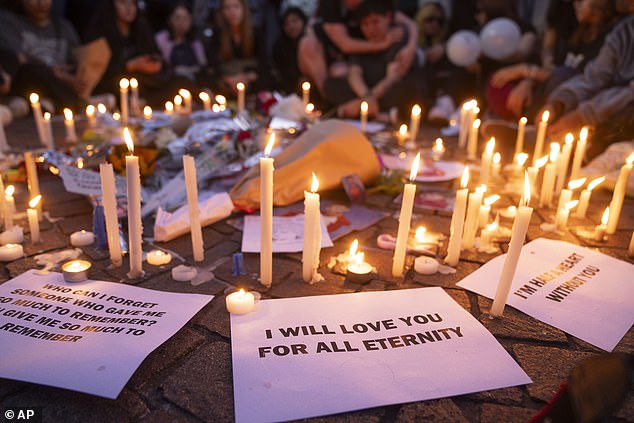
575 57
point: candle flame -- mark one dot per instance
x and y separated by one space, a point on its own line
90 110
314 186
545 116
577 183
491 199
439 146
402 130
306 86
184 93
215 108
310 107
80 163
571 204
526 199
134 83
481 189
476 110
178 100
241 293
68 114
147 112
606 216
583 134
497 158
569 138
53 170
203 96
364 107
420 234
476 123
359 258
116 116
128 140
523 120
490 146
521 159
595 182
221 99
34 201
415 165
169 106
124 84
464 181
630 159
269 145
47 116
240 86
492 226
101 108
541 162
9 191
34 98
416 111
354 247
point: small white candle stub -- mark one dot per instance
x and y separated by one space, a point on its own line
81 238
240 302
426 265
76 270
11 252
158 258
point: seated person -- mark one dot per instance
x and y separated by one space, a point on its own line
377 78
285 49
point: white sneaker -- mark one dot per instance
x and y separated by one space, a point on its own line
441 112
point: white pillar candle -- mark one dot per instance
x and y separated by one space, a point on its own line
135 105
473 213
124 84
306 93
404 221
69 123
206 99
619 194
599 230
566 194
465 123
240 302
38 116
187 99
34 223
135 225
541 136
241 87
472 146
518 235
158 258
9 207
364 115
11 252
580 152
561 219
630 250
312 232
519 141
49 140
426 265
4 145
169 108
562 163
31 178
485 163
266 214
457 221
548 183
82 238
584 198
485 210
109 202
414 122
191 184
402 135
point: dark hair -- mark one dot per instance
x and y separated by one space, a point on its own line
497 9
105 24
379 7
246 30
294 10
191 33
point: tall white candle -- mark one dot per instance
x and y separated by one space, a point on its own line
402 135
485 210
630 250
599 230
187 99
473 214
9 207
541 136
496 166
178 104
206 99
38 116
580 152
34 223
518 235
561 219
48 131
306 93
2 197
472 146
266 215
414 123
191 184
457 221
548 184
135 225
465 123
485 164
566 194
562 163
69 123
404 221
519 141
91 115
124 85
312 232
364 115
109 202
533 171
169 108
135 105
32 180
519 164
584 198
241 87
222 102
619 194
147 113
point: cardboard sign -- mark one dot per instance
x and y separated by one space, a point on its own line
580 291
90 336
304 357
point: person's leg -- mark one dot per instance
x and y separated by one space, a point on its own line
311 59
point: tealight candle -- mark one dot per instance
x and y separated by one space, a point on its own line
206 99
580 152
124 85
358 266
34 222
457 221
147 113
519 141
306 92
472 146
548 183
561 220
158 258
541 136
90 115
364 115
266 214
584 198
563 162
404 221
599 230
438 149
619 194
82 238
414 122
426 265
69 123
76 270
182 273
15 235
402 135
485 164
241 87
240 302
11 252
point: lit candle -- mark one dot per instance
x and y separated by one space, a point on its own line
404 221
206 99
364 115
182 273
222 102
69 123
599 230
487 234
2 196
619 194
473 214
533 171
426 265
414 122
306 92
124 84
187 99
82 238
580 152
563 162
101 109
241 87
438 149
402 135
240 302
510 212
48 131
109 202
178 104
548 183
630 250
158 258
90 115
541 136
485 210
135 226
135 105
147 113
357 269
472 146
266 215
310 108
566 194
169 108
76 270
465 122
191 184
34 222
519 141
38 116
11 252
312 233
31 178
518 234
496 167
457 221
485 164
561 219
9 207
520 162
584 198
116 116
215 108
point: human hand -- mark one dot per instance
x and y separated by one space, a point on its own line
435 53
508 74
520 97
405 57
570 122
144 64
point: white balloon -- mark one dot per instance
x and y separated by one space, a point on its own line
463 48
499 38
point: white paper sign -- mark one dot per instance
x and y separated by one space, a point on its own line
304 357
87 182
288 234
580 291
89 337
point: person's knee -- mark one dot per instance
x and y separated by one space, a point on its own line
309 47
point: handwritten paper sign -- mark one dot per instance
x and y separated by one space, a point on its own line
89 337
288 234
580 291
86 182
304 357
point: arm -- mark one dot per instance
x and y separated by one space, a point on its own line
548 48
405 56
355 79
338 34
391 76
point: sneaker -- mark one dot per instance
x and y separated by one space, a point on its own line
19 107
442 110
108 100
6 116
